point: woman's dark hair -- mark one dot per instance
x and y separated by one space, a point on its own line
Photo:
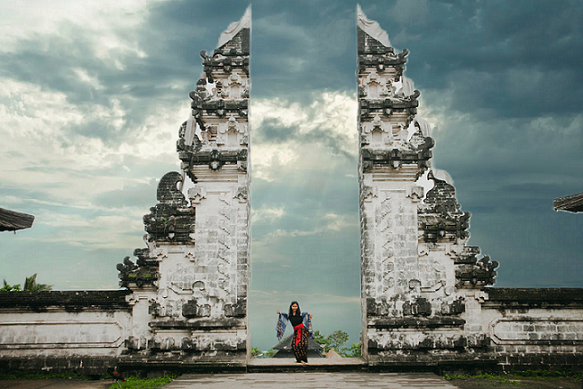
298 312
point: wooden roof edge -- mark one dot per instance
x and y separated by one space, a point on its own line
12 220
572 203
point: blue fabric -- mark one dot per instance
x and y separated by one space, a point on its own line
308 324
282 324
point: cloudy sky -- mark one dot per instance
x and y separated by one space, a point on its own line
93 93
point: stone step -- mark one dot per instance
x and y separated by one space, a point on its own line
275 365
348 380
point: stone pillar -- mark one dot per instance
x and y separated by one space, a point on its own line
190 284
420 284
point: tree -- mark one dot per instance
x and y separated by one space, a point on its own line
269 354
29 285
256 353
337 340
352 351
334 341
319 338
10 288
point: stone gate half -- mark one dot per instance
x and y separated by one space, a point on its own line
190 284
420 282
424 292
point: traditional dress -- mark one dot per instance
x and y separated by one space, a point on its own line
302 332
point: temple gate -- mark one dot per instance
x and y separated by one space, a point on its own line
425 295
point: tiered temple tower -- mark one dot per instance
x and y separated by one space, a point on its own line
190 284
421 285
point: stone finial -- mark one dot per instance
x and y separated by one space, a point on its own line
168 192
132 275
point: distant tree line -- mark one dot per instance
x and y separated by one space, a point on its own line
256 353
335 340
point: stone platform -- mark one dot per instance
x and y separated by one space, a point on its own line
278 365
55 384
311 380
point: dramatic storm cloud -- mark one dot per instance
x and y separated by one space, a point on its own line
93 94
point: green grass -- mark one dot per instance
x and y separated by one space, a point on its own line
507 378
139 383
567 373
131 383
449 377
486 376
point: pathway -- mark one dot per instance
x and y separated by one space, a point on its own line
310 381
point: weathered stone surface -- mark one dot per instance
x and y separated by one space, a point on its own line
535 327
420 307
194 310
420 322
191 309
535 297
80 364
236 310
132 275
63 331
415 265
109 300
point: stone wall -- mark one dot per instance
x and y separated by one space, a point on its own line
534 328
82 332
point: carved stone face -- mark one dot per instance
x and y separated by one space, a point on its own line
215 165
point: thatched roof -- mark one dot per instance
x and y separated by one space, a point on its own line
12 221
333 354
573 203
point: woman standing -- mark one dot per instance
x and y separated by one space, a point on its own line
302 325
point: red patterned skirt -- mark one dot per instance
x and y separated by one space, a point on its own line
300 343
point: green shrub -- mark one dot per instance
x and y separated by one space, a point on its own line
139 383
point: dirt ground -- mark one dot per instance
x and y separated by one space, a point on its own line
517 383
